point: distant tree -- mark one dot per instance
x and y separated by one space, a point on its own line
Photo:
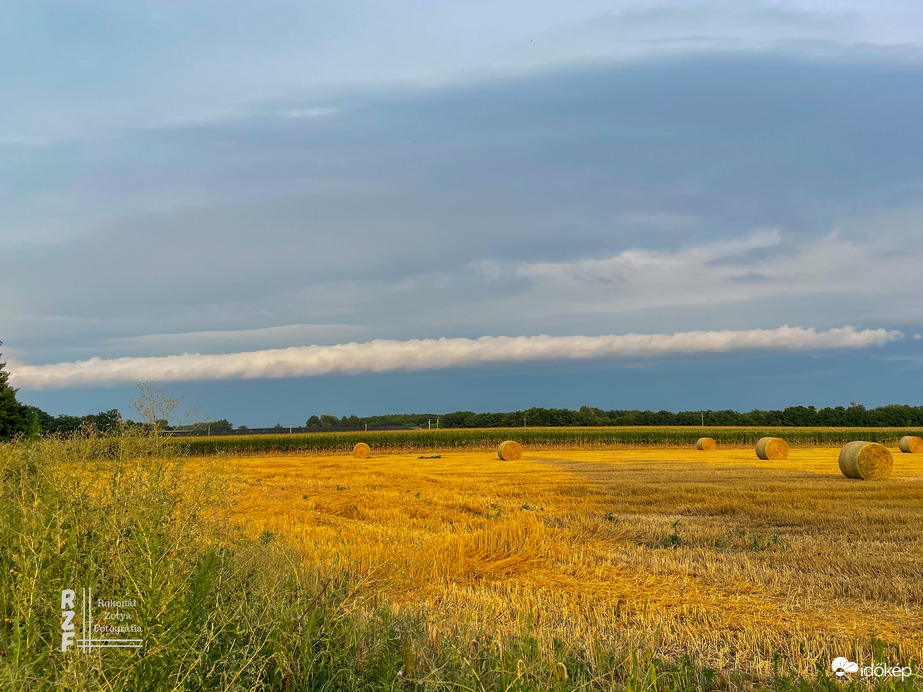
222 425
626 418
278 426
313 422
460 419
47 422
14 416
242 427
328 421
109 420
589 416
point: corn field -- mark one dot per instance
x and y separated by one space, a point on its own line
532 438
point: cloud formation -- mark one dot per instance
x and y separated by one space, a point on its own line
158 64
781 277
381 356
550 204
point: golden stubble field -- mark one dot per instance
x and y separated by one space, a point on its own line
717 555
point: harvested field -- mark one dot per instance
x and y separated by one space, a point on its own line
723 557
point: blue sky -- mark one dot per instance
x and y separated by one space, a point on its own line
324 192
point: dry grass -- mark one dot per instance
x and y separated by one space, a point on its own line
721 556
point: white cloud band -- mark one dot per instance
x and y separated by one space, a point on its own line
432 354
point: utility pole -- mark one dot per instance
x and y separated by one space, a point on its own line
703 419
523 421
429 425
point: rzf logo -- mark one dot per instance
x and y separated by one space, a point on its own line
67 618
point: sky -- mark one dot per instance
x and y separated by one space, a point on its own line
282 209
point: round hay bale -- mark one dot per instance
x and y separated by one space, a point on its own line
361 450
509 450
706 444
771 448
865 460
910 444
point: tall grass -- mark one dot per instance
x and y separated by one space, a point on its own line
113 515
535 438
219 611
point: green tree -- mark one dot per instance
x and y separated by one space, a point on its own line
14 417
107 421
46 422
328 421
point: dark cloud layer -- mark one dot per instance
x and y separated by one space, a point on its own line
520 205
565 165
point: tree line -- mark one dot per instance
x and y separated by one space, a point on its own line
855 415
32 421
